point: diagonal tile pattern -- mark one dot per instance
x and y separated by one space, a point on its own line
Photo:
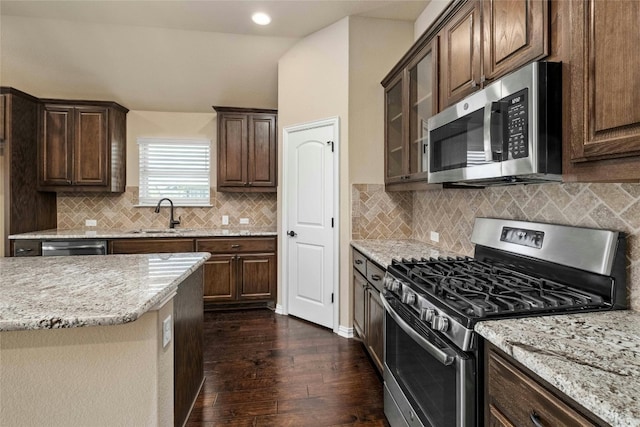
451 212
120 212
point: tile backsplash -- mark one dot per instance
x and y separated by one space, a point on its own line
120 212
376 214
451 213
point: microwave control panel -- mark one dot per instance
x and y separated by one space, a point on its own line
517 107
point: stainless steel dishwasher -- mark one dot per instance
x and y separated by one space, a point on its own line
74 247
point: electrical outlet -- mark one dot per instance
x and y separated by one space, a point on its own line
90 223
166 331
225 219
435 237
244 221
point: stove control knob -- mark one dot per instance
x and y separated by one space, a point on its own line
427 314
388 282
440 323
408 298
395 286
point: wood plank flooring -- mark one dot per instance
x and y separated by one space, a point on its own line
263 369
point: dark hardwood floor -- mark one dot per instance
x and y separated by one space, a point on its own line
263 369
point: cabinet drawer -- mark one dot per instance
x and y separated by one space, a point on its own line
375 275
359 262
150 246
226 246
518 398
27 248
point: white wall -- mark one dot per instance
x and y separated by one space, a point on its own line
313 84
142 124
428 15
337 72
143 68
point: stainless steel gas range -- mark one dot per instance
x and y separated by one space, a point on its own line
433 368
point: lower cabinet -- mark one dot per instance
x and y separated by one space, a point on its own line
240 270
515 398
368 312
149 246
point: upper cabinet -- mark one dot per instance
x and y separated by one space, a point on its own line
487 39
514 33
460 59
604 115
3 118
411 98
247 148
82 146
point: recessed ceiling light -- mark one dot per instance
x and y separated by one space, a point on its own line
261 18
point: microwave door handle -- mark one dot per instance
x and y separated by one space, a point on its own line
438 354
487 131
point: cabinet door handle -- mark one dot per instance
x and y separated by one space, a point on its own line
535 419
358 261
235 246
376 277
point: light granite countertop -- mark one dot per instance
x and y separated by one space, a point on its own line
68 292
594 358
136 233
383 251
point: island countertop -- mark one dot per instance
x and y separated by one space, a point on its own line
93 290
594 358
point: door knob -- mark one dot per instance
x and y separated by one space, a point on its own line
292 233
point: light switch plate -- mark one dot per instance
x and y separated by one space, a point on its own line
435 237
225 219
244 220
91 223
166 331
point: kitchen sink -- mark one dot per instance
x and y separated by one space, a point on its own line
156 231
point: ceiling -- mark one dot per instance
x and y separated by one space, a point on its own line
289 18
177 55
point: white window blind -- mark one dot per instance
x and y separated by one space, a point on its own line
175 168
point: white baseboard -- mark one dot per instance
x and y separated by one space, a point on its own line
279 309
345 332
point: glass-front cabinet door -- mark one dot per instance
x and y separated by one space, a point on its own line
422 73
395 130
410 99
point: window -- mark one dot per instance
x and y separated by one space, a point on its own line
175 168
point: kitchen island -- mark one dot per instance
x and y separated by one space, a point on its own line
82 342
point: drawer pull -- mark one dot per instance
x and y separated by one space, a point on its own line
358 261
235 246
23 250
376 277
535 419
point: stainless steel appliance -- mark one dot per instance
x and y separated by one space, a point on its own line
508 132
74 247
433 359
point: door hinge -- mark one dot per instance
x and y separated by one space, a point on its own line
332 298
331 222
330 142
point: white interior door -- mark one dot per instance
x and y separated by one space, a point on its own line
309 223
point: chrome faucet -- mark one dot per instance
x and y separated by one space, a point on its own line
172 222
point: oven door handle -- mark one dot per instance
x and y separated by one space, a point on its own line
441 356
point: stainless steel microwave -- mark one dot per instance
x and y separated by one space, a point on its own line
509 132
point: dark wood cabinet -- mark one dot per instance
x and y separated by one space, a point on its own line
411 97
240 270
150 246
460 58
515 32
25 208
604 119
368 312
82 146
513 397
3 117
247 149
